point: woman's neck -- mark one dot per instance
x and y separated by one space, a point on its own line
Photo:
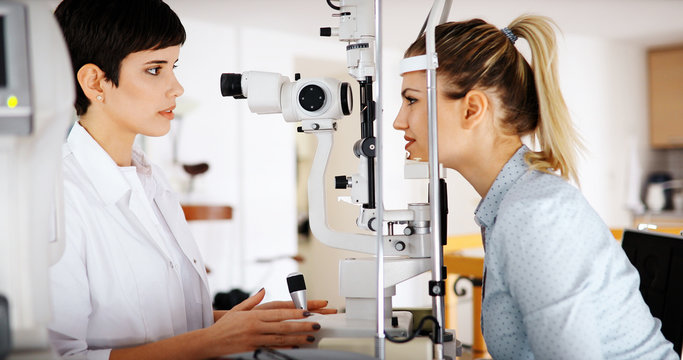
485 166
117 144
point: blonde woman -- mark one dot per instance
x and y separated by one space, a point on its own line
556 284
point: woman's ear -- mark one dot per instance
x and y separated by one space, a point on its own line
476 105
90 78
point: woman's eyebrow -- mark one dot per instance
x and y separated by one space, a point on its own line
403 93
157 62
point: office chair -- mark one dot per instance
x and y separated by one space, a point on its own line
658 257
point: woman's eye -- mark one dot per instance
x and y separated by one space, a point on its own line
410 100
154 71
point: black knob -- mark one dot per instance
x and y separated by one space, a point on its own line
365 147
325 31
312 97
341 182
371 224
295 282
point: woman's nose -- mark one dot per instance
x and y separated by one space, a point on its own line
400 122
176 88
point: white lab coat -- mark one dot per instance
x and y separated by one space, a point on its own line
116 284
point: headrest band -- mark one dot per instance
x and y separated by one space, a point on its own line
416 63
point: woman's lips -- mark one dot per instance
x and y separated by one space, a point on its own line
168 113
410 142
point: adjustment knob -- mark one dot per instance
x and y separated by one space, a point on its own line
400 246
341 182
297 290
408 231
312 97
371 224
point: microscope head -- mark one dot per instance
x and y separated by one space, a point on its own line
303 99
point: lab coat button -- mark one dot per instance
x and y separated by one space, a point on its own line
194 260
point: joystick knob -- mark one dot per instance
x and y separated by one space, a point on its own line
297 290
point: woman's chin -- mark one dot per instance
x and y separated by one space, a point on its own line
160 130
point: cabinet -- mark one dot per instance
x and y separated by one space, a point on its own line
665 68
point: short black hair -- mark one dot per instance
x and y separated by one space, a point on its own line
104 32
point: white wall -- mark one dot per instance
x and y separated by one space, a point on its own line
605 86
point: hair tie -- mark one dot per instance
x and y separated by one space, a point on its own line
509 34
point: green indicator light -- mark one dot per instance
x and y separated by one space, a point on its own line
12 101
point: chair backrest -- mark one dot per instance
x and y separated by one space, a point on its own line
658 257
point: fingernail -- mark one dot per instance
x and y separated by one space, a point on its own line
310 338
307 313
261 289
316 326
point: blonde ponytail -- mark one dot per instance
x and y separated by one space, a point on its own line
555 133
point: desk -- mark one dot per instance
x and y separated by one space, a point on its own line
463 257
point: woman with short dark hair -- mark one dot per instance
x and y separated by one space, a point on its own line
131 283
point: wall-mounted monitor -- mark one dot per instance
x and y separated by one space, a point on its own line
15 97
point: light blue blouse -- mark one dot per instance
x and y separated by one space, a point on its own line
558 286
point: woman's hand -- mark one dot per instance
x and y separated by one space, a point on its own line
316 306
246 327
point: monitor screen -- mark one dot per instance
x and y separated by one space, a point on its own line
16 116
3 64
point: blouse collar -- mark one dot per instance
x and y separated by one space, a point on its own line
485 214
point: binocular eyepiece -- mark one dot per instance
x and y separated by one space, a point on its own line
231 85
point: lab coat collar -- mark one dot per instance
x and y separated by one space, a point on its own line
111 185
140 161
114 190
99 167
487 210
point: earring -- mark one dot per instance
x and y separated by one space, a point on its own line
99 97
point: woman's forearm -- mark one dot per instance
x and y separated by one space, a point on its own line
188 346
